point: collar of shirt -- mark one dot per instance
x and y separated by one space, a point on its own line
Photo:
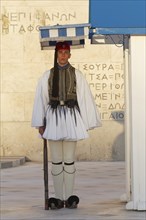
63 67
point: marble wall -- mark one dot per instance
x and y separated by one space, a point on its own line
23 62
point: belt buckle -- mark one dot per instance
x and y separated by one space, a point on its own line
61 102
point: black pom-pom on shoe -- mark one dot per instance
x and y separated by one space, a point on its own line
72 202
55 203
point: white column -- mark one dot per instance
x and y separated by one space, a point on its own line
126 197
137 120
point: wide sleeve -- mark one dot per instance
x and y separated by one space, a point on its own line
41 101
88 108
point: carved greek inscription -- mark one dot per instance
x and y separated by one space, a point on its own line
106 81
29 22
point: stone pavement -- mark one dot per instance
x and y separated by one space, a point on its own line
98 184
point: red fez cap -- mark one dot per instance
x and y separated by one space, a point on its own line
62 46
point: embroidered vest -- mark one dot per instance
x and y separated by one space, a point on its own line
67 84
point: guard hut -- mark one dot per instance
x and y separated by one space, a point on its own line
127 19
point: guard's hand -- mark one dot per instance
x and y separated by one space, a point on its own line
41 130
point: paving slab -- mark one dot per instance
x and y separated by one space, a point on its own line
98 184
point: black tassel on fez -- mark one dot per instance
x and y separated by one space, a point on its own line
55 89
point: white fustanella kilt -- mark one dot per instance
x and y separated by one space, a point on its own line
64 123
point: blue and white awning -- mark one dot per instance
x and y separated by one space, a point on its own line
74 34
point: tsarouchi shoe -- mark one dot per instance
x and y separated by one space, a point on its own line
55 203
72 202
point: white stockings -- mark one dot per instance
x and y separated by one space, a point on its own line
63 168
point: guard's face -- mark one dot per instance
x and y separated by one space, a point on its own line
63 56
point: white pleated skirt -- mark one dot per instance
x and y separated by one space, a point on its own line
64 123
